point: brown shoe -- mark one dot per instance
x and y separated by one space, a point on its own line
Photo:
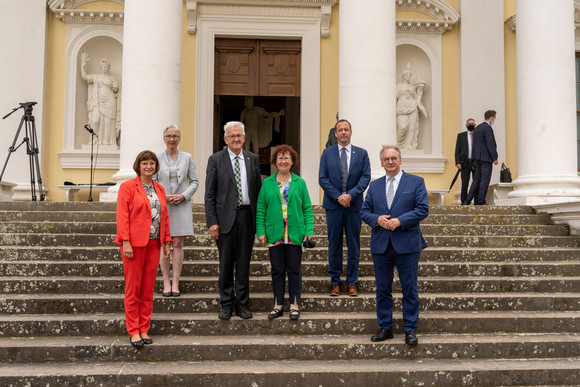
335 290
352 290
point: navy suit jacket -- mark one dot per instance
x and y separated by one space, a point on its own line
221 192
410 205
484 146
330 177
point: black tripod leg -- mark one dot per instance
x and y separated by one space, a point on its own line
12 149
35 157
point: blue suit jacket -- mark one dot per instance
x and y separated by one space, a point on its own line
330 178
484 146
410 206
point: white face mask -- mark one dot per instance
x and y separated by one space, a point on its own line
492 122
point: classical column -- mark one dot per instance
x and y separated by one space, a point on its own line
366 89
151 79
547 158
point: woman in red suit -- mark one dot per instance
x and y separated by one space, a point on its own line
142 228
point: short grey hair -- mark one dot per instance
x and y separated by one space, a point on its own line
172 126
234 124
389 147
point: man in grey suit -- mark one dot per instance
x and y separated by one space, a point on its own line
232 185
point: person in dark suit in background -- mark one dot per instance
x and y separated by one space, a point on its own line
484 154
464 157
232 185
344 174
393 208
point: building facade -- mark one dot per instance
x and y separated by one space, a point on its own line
401 71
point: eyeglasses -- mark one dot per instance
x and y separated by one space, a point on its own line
148 163
284 158
235 136
172 137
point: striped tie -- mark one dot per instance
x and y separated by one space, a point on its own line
390 191
238 176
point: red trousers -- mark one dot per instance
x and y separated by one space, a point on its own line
140 276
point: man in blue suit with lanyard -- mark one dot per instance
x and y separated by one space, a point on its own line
484 153
344 174
393 207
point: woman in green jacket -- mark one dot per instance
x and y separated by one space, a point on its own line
283 221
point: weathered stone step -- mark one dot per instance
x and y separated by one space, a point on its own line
481 218
75 227
369 373
50 240
209 302
209 253
310 284
323 323
309 268
296 347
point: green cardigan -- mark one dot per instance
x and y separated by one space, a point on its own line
269 219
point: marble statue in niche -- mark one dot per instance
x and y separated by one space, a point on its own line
258 124
103 102
409 105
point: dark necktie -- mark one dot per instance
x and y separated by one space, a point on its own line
238 179
343 168
471 148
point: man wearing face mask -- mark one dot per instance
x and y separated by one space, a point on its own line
464 157
485 156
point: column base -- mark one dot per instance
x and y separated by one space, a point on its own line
539 190
120 177
23 193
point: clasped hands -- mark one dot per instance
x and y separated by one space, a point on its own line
175 199
387 223
344 200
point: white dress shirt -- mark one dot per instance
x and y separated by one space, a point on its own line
395 183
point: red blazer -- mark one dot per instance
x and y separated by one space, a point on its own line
134 214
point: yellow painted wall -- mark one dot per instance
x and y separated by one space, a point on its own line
511 122
329 79
188 71
102 5
53 175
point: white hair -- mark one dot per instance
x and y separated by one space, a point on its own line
234 124
172 126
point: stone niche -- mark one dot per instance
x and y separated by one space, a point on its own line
412 58
97 48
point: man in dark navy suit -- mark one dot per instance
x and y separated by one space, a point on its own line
393 207
484 154
464 157
344 174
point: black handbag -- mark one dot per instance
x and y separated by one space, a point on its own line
505 176
309 243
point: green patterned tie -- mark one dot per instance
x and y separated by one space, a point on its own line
238 179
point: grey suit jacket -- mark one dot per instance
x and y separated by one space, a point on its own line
187 181
221 193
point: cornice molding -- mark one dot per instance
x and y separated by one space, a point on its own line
511 21
275 8
66 10
444 16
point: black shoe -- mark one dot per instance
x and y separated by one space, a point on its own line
382 335
175 294
137 344
226 313
147 341
411 338
243 312
166 294
294 314
275 313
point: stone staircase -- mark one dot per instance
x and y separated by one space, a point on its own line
500 305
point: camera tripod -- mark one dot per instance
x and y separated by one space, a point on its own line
30 139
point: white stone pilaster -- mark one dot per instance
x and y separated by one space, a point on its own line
547 159
151 79
23 36
482 67
367 82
